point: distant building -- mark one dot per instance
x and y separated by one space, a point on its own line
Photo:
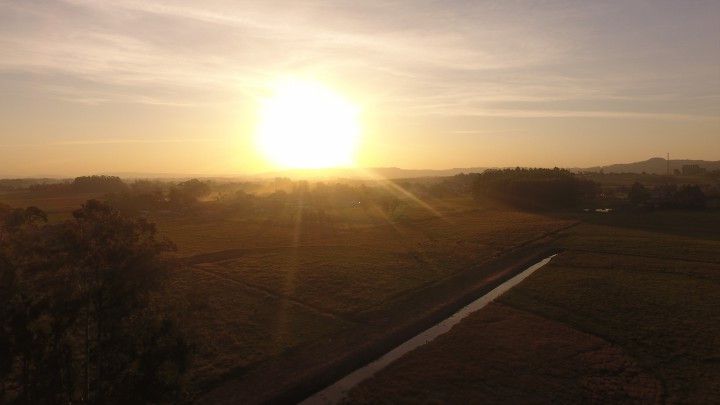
689 170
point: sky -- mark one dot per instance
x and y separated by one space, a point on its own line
127 86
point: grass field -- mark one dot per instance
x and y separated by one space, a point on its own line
258 286
629 313
503 355
251 278
663 313
57 206
234 326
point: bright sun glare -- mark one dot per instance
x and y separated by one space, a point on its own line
306 125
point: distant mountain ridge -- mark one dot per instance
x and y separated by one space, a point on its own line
656 165
369 173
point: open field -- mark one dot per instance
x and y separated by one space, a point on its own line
58 206
663 313
503 355
314 282
684 235
287 295
252 288
625 314
234 326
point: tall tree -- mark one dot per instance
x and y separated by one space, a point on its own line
78 319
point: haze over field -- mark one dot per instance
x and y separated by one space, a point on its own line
177 87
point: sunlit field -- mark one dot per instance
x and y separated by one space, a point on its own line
269 277
253 286
316 279
627 314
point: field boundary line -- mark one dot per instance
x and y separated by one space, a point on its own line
236 253
273 294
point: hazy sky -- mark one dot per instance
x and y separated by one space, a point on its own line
173 86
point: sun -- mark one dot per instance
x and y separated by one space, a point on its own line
304 124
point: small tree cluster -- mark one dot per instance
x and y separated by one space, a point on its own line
535 188
188 193
667 196
154 195
99 184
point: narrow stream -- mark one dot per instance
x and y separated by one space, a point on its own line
337 391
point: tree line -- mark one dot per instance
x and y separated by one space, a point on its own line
143 195
534 188
669 196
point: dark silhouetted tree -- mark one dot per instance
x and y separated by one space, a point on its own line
77 321
102 184
534 188
638 194
690 196
188 193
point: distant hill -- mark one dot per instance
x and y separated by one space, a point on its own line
369 173
656 165
311 174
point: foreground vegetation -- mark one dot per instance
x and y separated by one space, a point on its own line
261 273
75 305
310 282
627 314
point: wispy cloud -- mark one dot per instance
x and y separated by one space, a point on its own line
144 46
449 62
119 141
585 114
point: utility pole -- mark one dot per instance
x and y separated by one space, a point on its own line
668 164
